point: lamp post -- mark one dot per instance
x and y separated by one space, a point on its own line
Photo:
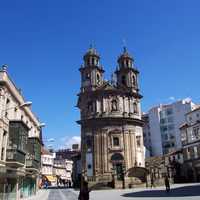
25 104
41 125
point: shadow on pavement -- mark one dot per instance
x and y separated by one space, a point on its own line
174 192
56 187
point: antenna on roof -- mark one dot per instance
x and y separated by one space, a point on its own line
92 44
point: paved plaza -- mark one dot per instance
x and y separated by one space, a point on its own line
181 191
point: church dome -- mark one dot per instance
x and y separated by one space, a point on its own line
125 55
91 52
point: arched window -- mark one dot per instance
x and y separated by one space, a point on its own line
133 81
98 79
127 63
92 61
124 80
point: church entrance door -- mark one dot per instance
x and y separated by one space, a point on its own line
119 171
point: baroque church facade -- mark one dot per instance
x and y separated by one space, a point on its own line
110 119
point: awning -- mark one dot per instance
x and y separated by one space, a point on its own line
51 178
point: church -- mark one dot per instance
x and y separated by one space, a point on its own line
110 120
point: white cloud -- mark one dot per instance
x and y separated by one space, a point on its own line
172 98
66 142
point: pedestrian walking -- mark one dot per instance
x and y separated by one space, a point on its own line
84 192
167 185
152 182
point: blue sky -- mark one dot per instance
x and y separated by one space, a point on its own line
43 43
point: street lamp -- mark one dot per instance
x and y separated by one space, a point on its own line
41 125
26 104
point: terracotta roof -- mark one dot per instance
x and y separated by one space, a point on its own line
45 151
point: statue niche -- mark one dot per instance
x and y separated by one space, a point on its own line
114 105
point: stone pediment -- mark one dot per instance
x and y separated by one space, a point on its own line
106 86
115 131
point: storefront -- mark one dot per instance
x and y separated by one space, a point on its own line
28 187
11 189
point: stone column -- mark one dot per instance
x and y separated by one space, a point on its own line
105 153
17 189
131 149
96 153
127 150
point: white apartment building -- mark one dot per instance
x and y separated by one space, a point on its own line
62 169
47 159
163 122
69 167
55 170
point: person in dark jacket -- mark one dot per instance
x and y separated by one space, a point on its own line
167 185
84 192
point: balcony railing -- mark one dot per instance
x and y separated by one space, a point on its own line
32 164
15 155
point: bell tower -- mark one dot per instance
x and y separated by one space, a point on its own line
126 72
91 71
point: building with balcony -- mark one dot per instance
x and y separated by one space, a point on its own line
62 169
161 129
20 142
73 163
190 137
47 159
